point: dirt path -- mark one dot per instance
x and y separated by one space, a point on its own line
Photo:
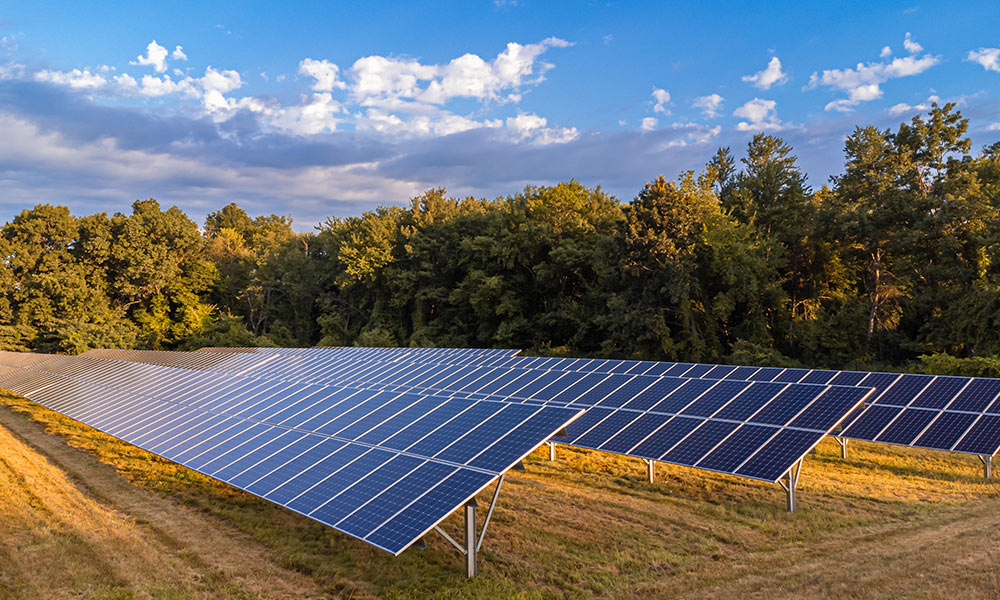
71 527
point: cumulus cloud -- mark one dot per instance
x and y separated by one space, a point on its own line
156 57
397 95
323 71
661 97
911 46
987 58
402 94
760 115
649 124
886 52
771 75
709 105
993 127
390 81
863 83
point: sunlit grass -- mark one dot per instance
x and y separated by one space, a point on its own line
589 525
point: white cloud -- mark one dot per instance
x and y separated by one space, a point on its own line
903 107
385 81
911 46
469 76
886 52
772 75
649 124
533 128
178 54
988 58
863 83
993 127
156 57
75 79
318 114
760 115
400 96
221 81
433 124
323 71
164 86
709 105
662 97
378 76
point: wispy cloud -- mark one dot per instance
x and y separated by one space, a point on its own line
709 105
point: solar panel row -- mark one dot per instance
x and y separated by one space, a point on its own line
751 429
383 467
959 414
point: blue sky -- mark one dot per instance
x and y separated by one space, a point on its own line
327 109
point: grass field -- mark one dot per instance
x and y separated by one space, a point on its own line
83 515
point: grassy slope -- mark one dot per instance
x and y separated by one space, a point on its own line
888 522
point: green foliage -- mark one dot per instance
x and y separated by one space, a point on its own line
897 258
943 364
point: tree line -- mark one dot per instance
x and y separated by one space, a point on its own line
895 259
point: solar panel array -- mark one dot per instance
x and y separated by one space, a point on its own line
758 430
384 467
958 414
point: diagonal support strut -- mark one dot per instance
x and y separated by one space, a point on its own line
473 541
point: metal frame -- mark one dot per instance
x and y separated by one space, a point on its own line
987 465
650 469
842 442
789 482
473 542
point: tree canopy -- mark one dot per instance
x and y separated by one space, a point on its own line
893 259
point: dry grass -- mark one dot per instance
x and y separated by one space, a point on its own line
886 523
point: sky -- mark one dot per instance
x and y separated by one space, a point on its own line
328 109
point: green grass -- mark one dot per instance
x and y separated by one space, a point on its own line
589 525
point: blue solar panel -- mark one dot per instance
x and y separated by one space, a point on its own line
912 392
983 435
606 384
436 449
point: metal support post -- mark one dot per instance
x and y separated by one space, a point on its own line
789 482
471 568
552 450
987 465
651 470
473 542
843 447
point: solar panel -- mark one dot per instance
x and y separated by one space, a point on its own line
381 466
635 415
639 415
958 414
